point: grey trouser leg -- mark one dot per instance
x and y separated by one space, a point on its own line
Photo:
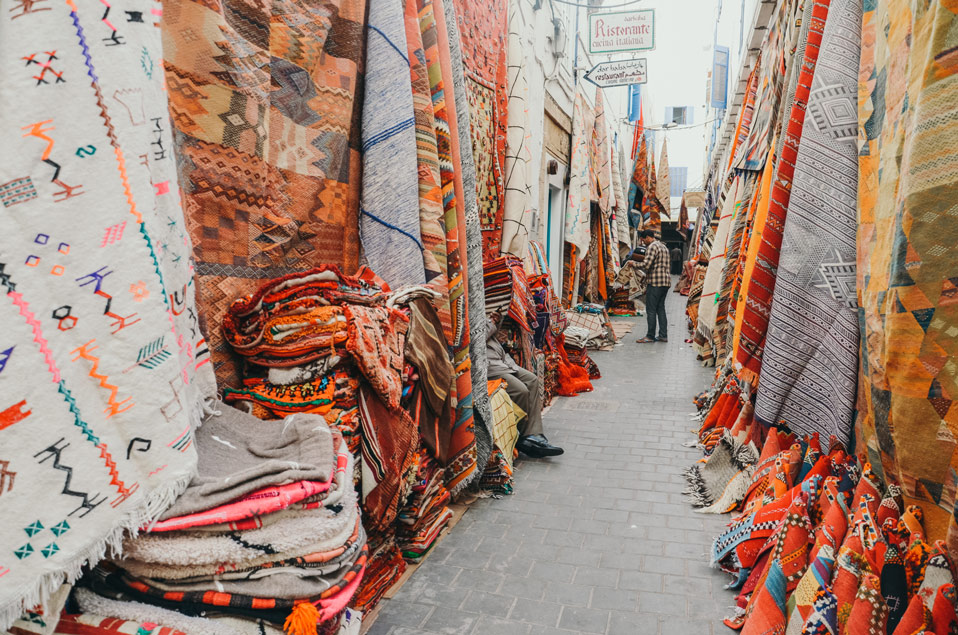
655 311
523 388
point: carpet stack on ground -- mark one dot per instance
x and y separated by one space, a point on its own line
424 514
325 343
269 531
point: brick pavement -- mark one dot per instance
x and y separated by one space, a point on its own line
600 540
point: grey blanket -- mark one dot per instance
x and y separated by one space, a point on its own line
239 454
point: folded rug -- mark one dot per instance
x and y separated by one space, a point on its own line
280 561
388 449
321 563
723 479
298 534
287 583
296 332
239 454
341 483
260 502
376 340
116 583
105 616
315 396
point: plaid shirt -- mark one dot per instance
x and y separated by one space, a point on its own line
656 265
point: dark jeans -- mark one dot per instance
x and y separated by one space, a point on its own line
655 309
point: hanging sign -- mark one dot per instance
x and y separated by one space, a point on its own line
622 31
621 73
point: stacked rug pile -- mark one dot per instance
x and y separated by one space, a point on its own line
325 343
268 533
424 514
507 287
595 318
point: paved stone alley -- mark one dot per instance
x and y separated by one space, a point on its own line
600 540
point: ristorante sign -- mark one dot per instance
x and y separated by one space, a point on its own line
622 31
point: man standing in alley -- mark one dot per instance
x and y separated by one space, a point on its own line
656 266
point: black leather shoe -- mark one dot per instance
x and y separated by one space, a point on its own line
538 447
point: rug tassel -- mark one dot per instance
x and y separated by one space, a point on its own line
303 620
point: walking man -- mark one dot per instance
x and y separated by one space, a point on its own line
656 266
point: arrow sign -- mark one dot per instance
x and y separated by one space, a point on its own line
621 73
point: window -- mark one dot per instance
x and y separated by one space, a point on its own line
719 97
678 180
678 115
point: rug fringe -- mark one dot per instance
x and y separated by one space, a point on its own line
697 490
131 523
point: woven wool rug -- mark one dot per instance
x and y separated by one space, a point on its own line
518 203
482 28
474 253
723 479
810 363
266 120
103 368
620 202
757 307
639 180
578 213
432 20
389 217
427 160
906 255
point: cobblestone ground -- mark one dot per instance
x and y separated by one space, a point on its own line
600 540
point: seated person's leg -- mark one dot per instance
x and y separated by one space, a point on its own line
523 388
533 424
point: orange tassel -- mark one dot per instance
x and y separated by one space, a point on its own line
303 620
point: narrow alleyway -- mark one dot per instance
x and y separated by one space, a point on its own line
600 540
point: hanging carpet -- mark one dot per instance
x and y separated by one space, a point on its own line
810 362
103 368
267 127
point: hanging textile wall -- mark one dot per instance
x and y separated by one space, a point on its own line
103 367
810 365
907 254
600 157
389 217
620 202
651 206
483 37
518 167
266 121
